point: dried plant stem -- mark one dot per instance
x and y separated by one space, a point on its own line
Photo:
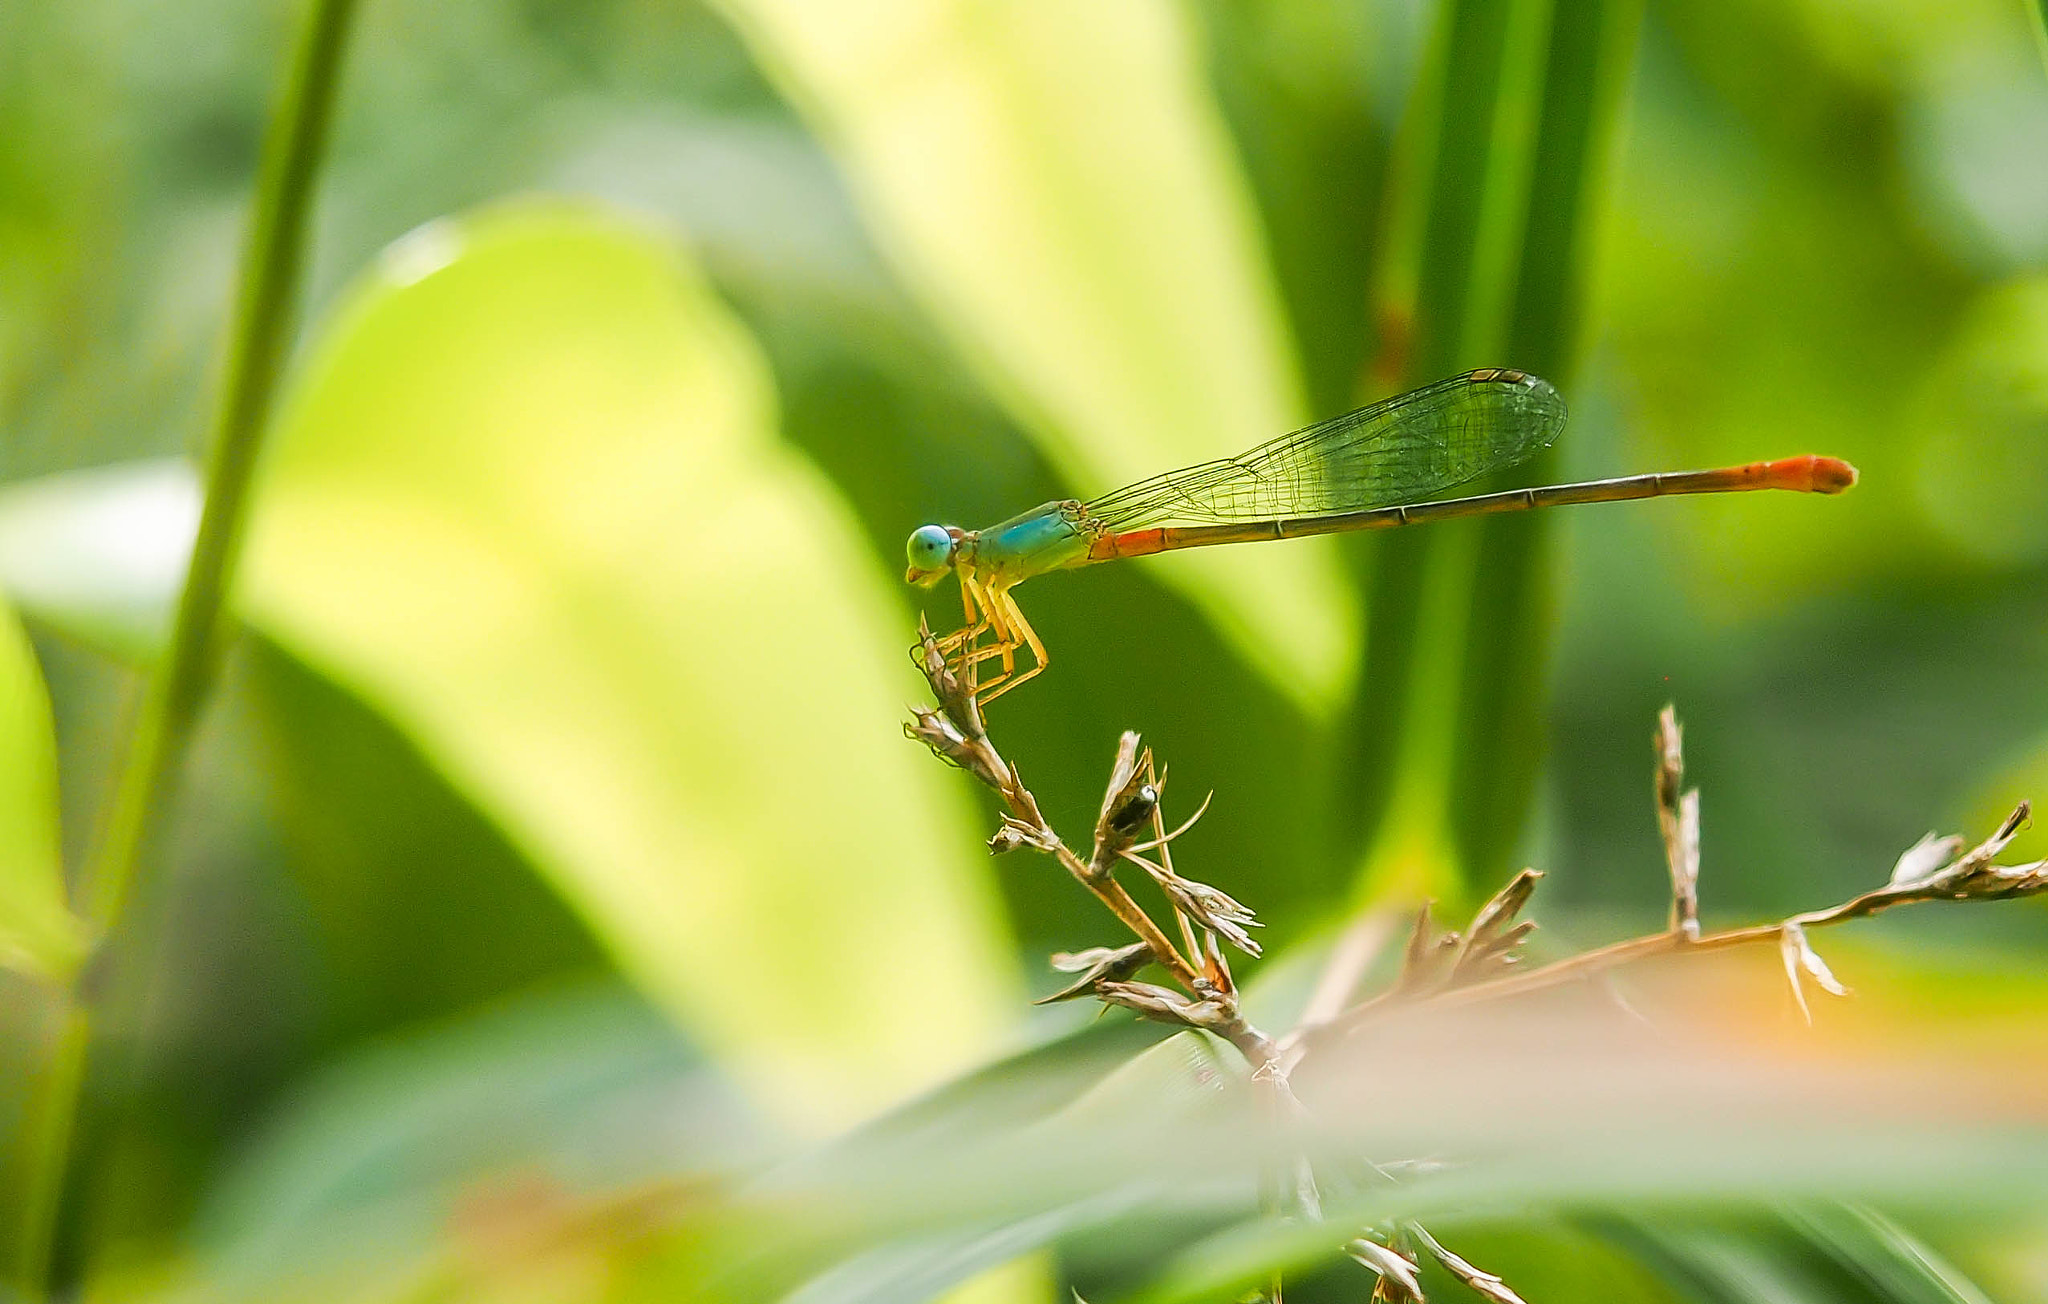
1971 877
955 733
1112 894
1439 968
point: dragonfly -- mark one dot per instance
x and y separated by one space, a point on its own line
1372 469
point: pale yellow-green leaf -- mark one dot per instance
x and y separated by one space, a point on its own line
38 935
1055 182
528 500
99 553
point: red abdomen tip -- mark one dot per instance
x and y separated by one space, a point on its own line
1831 475
1809 474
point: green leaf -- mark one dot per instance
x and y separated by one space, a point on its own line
1892 1262
1471 154
1462 617
1054 181
1818 1251
1305 89
1981 427
387 1141
38 935
528 501
1591 48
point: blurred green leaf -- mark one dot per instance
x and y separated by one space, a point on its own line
1471 145
1053 179
1309 92
416 905
584 1088
1890 1261
1589 62
528 501
1543 1257
1982 423
1819 1252
38 934
99 554
1170 1147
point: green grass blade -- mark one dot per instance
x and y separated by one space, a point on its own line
1814 1251
1466 120
1500 730
1297 85
1890 1261
264 314
1458 653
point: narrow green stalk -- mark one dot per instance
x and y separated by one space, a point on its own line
261 336
46 1131
262 327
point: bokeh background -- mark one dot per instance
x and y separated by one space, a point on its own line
551 813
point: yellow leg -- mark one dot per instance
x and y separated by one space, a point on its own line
998 605
1018 629
957 647
992 611
973 621
995 607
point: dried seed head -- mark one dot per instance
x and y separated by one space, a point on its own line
1925 858
1161 1004
1398 1277
1097 964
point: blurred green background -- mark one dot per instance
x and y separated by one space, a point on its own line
557 764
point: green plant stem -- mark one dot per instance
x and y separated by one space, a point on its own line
265 310
262 326
47 1129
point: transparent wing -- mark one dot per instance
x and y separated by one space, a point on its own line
1400 450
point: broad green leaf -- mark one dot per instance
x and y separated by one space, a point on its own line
38 935
1054 181
527 499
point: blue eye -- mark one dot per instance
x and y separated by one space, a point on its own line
930 547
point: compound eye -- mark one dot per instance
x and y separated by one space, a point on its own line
930 547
